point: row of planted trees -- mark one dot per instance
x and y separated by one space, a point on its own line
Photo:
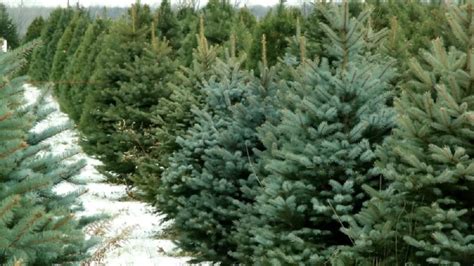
291 140
37 226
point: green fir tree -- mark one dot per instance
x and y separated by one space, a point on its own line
67 46
277 26
424 213
168 25
106 94
78 73
173 116
34 30
43 56
8 30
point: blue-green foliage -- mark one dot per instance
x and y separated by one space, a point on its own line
37 226
210 178
321 150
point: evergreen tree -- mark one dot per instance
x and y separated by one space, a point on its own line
42 59
8 29
312 31
277 26
68 45
33 33
424 215
37 226
34 30
242 32
81 68
167 24
219 18
188 19
209 177
100 117
321 150
419 22
173 116
297 45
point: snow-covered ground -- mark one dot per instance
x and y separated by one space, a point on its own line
131 235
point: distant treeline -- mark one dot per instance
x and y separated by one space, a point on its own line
23 16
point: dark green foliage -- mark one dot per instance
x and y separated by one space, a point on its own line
419 22
312 31
43 56
173 116
8 29
33 33
63 58
37 226
78 73
242 29
188 23
425 215
68 45
320 152
34 30
218 16
277 26
105 108
168 24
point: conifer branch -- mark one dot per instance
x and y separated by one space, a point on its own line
134 18
5 116
252 166
339 220
232 45
302 42
264 51
35 217
13 201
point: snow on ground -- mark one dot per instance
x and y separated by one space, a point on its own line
130 236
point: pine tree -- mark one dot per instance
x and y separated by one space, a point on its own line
418 22
219 17
81 68
424 214
168 25
42 59
277 26
321 150
173 116
188 19
242 31
34 30
68 45
312 31
37 226
209 177
33 33
99 119
8 29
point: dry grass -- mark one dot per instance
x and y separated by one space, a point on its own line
109 243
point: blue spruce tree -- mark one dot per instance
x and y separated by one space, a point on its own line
37 226
321 150
210 177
